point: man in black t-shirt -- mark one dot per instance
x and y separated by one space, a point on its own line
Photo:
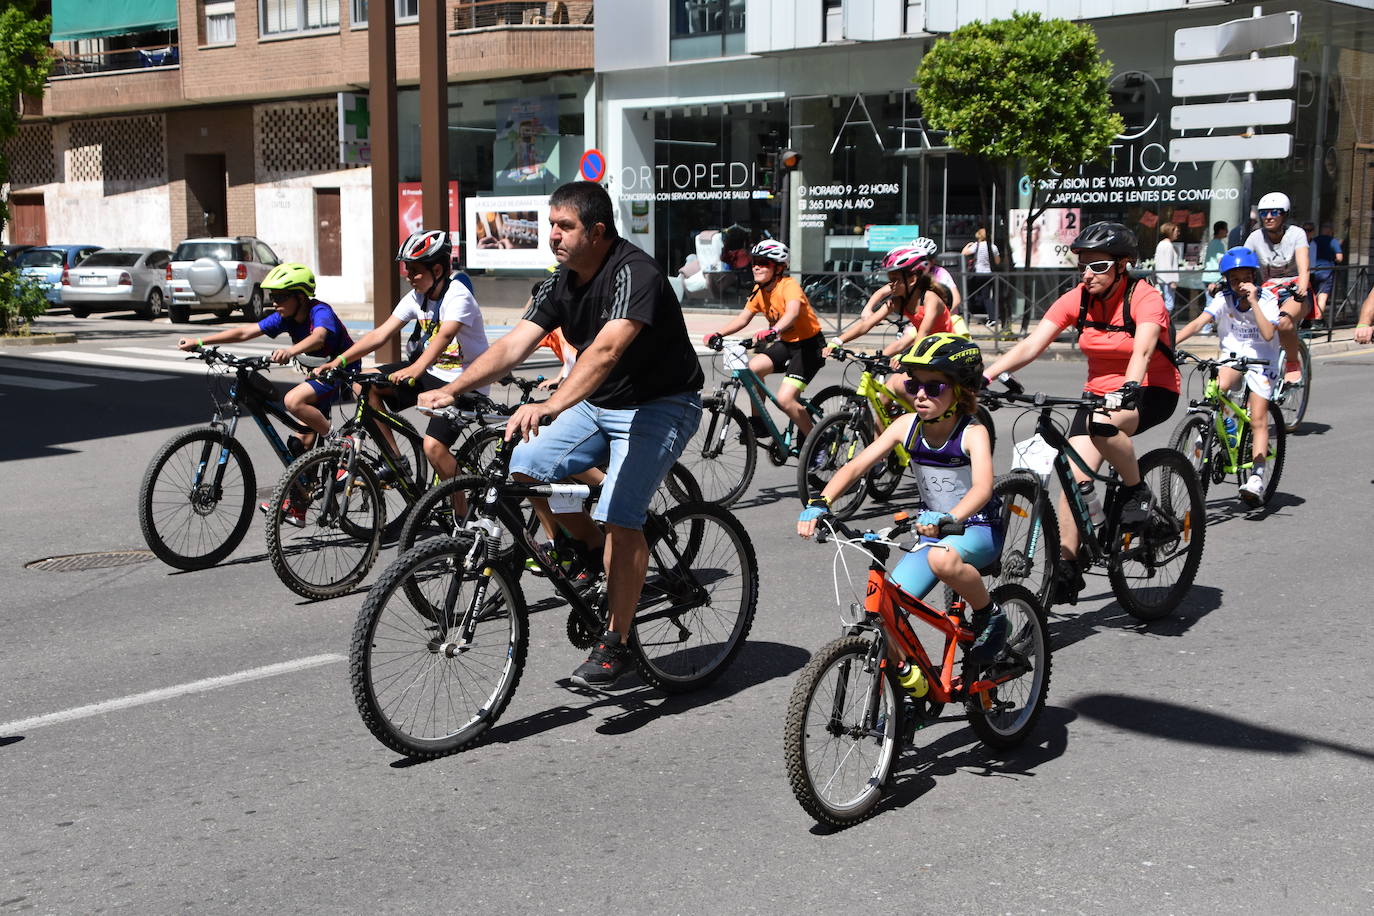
631 401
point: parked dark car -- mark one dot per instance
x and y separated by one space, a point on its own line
8 253
50 265
116 279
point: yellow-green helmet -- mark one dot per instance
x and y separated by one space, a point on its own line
955 356
290 276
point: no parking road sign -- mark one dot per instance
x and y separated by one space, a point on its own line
593 165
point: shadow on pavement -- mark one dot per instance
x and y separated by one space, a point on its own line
757 663
1068 627
961 750
1172 722
1227 509
1309 428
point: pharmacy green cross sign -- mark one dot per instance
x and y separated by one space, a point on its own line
354 120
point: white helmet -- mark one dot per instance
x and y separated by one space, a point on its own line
1275 200
926 246
771 249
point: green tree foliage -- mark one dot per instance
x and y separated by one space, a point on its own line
1024 89
21 300
24 66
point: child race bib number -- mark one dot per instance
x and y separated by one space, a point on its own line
734 356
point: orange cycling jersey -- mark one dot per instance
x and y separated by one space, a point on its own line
771 301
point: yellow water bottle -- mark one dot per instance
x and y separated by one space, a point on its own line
913 681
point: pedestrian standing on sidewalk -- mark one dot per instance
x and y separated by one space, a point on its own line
983 256
1166 265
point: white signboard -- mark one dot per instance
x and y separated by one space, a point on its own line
508 232
1211 149
1263 74
1231 114
1239 36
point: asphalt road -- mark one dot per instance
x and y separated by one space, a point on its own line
1217 761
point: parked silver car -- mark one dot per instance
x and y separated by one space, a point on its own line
219 275
116 279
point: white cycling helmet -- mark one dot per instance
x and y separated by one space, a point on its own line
432 247
1274 200
926 246
771 249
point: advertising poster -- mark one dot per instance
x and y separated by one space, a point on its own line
1051 236
510 232
411 206
525 152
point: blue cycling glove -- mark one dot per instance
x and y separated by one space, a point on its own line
931 517
810 515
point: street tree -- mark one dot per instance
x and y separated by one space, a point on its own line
1023 90
24 66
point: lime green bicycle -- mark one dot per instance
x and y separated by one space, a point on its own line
842 434
1214 453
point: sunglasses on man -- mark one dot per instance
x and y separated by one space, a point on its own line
933 389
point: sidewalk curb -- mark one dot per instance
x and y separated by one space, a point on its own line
37 340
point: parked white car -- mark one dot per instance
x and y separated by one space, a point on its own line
219 275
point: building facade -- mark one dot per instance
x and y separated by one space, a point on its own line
209 117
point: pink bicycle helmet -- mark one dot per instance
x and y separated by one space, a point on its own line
908 258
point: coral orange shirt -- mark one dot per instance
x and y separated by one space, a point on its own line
772 301
1109 352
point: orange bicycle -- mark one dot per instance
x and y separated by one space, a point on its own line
848 717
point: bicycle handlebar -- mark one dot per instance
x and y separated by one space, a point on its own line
1041 400
1239 362
947 529
212 355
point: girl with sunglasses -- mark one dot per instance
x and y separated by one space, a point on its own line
1123 330
951 459
1284 257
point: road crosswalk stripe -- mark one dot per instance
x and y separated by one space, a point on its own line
101 358
48 384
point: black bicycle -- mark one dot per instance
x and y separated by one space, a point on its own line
1151 566
440 643
195 502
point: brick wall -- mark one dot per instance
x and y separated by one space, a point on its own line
226 131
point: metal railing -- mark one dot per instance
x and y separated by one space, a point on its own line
485 14
68 61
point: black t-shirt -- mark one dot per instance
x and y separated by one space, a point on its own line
629 284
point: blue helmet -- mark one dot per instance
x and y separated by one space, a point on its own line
1237 257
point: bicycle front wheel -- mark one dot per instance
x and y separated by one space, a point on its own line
1030 544
1293 401
325 525
1151 569
421 687
721 454
1278 447
833 443
841 735
699 597
193 511
1192 439
1002 716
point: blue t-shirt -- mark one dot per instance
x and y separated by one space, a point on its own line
336 339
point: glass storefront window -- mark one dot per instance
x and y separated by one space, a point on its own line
706 28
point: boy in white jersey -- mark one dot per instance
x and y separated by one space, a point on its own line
951 459
1247 316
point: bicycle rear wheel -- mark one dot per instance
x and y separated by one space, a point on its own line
394 500
721 454
699 597
832 399
1004 715
832 444
1293 401
336 538
188 521
840 738
420 688
1152 569
1030 544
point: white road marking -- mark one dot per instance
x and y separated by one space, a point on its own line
173 353
1362 351
166 693
195 367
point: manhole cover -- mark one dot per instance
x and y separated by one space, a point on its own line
75 562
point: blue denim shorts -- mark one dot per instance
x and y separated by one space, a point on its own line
638 445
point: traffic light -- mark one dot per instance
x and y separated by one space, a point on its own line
767 168
784 161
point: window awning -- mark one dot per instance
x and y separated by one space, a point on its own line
73 20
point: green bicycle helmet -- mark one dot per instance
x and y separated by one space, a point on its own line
955 356
286 277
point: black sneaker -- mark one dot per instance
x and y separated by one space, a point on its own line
992 628
605 665
761 431
1068 582
1136 503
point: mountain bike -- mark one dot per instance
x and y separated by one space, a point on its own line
440 643
1202 438
722 453
1292 397
848 718
195 502
329 514
868 409
1151 566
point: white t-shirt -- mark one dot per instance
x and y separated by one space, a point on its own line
1238 333
1166 261
1278 260
983 253
458 305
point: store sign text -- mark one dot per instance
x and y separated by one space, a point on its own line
646 179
